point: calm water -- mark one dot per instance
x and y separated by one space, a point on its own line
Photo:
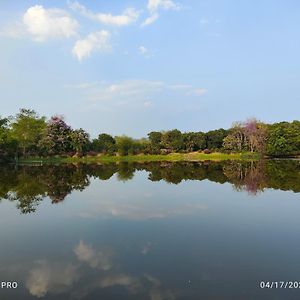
153 231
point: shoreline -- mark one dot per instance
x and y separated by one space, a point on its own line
173 157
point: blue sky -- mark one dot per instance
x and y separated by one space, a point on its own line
130 67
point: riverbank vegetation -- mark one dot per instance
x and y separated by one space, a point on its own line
28 136
172 157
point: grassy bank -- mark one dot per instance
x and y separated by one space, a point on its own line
173 157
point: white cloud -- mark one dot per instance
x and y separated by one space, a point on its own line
128 16
81 86
94 42
180 86
143 50
43 24
132 93
150 19
137 93
95 259
128 88
154 6
197 92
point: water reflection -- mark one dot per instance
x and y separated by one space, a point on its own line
28 185
54 278
155 231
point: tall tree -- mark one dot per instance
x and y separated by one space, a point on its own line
255 135
194 141
283 139
79 140
56 137
27 129
173 140
214 138
235 140
106 143
8 145
125 145
155 139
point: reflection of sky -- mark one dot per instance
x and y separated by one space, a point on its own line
150 238
149 201
51 277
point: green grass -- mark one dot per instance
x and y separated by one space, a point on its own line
173 157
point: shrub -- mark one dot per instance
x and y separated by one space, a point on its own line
92 153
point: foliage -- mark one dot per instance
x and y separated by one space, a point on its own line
57 137
105 144
283 139
173 140
27 129
214 138
8 145
155 138
194 141
28 134
125 145
249 136
79 140
235 140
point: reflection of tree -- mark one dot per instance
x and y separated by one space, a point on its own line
7 181
103 172
23 188
28 185
126 171
284 175
247 176
177 172
62 181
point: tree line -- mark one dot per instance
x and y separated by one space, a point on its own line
28 134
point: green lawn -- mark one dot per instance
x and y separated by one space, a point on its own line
173 157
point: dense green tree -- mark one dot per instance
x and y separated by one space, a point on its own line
283 139
125 145
194 141
4 130
27 129
105 143
214 138
8 145
173 140
79 140
155 138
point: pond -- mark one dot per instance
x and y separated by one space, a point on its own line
157 231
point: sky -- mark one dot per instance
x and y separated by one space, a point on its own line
131 67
